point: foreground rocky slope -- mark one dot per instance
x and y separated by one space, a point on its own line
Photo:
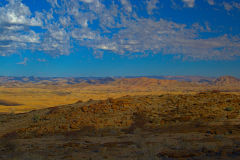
200 126
152 111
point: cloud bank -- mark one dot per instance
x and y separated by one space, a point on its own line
115 27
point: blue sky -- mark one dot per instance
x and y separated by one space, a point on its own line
119 37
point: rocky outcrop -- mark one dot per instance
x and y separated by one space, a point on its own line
227 81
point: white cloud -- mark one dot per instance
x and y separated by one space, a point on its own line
41 60
211 2
56 42
114 28
168 38
151 5
227 6
16 13
236 5
24 62
15 23
65 21
54 3
112 46
87 1
127 5
84 34
189 3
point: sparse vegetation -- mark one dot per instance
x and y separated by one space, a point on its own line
229 109
174 126
36 118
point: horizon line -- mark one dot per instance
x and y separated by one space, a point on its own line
128 76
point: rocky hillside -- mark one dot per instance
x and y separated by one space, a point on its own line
227 81
125 112
199 126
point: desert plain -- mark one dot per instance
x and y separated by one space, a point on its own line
119 118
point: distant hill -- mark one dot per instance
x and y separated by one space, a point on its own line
227 81
101 80
189 83
143 83
67 80
186 78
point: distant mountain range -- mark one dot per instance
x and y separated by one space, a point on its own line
4 79
150 82
55 80
182 78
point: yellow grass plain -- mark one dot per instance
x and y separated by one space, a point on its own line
39 98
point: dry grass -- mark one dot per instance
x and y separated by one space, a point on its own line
39 98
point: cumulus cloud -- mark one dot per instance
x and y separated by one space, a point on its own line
189 3
16 13
168 38
16 21
55 41
116 27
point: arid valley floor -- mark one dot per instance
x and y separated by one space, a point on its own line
130 118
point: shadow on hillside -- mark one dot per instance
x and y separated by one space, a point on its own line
8 103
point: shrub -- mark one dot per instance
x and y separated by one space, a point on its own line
35 118
228 109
